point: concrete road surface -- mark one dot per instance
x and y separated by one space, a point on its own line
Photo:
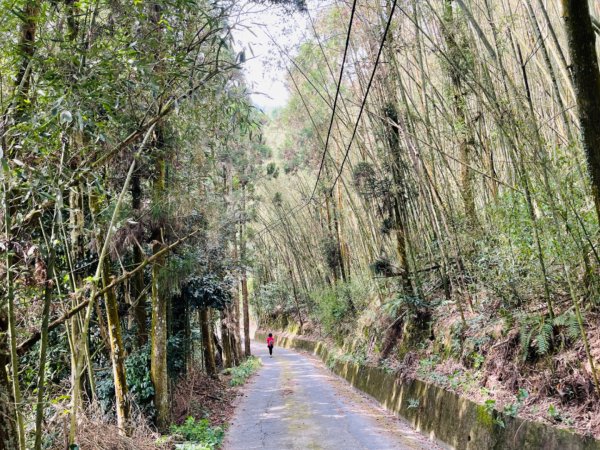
295 402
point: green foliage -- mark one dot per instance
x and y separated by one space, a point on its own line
382 267
331 253
139 383
359 358
367 182
427 365
569 323
512 409
488 415
477 360
208 291
336 305
105 390
536 332
489 405
198 434
554 413
274 299
404 303
272 170
176 270
241 373
176 354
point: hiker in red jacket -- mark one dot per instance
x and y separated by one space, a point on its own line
270 342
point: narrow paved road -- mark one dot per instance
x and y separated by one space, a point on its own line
295 402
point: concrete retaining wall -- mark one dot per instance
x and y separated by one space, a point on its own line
442 415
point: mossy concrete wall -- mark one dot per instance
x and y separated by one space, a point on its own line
442 415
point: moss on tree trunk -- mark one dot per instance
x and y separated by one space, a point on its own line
586 80
117 353
158 357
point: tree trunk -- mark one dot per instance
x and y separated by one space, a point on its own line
397 213
586 80
295 292
117 352
8 431
244 280
246 314
208 350
137 285
236 337
158 357
226 338
235 312
218 349
26 49
391 115
41 381
456 56
160 302
12 331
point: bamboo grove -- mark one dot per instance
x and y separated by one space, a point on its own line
458 215
128 145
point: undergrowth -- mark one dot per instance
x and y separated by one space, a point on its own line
241 373
197 435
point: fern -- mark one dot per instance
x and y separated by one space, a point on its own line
573 330
525 340
568 321
544 338
536 332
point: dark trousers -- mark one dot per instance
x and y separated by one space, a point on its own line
270 349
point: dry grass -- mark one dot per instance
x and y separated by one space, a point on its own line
200 396
99 435
195 395
96 431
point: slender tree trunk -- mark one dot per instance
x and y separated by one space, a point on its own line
236 335
26 49
466 140
218 349
328 202
396 212
137 284
540 37
117 352
244 280
295 292
77 366
9 438
158 357
337 236
76 251
392 132
581 41
160 302
12 428
235 311
14 359
12 330
41 381
246 314
188 341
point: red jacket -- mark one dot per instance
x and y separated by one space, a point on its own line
270 341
